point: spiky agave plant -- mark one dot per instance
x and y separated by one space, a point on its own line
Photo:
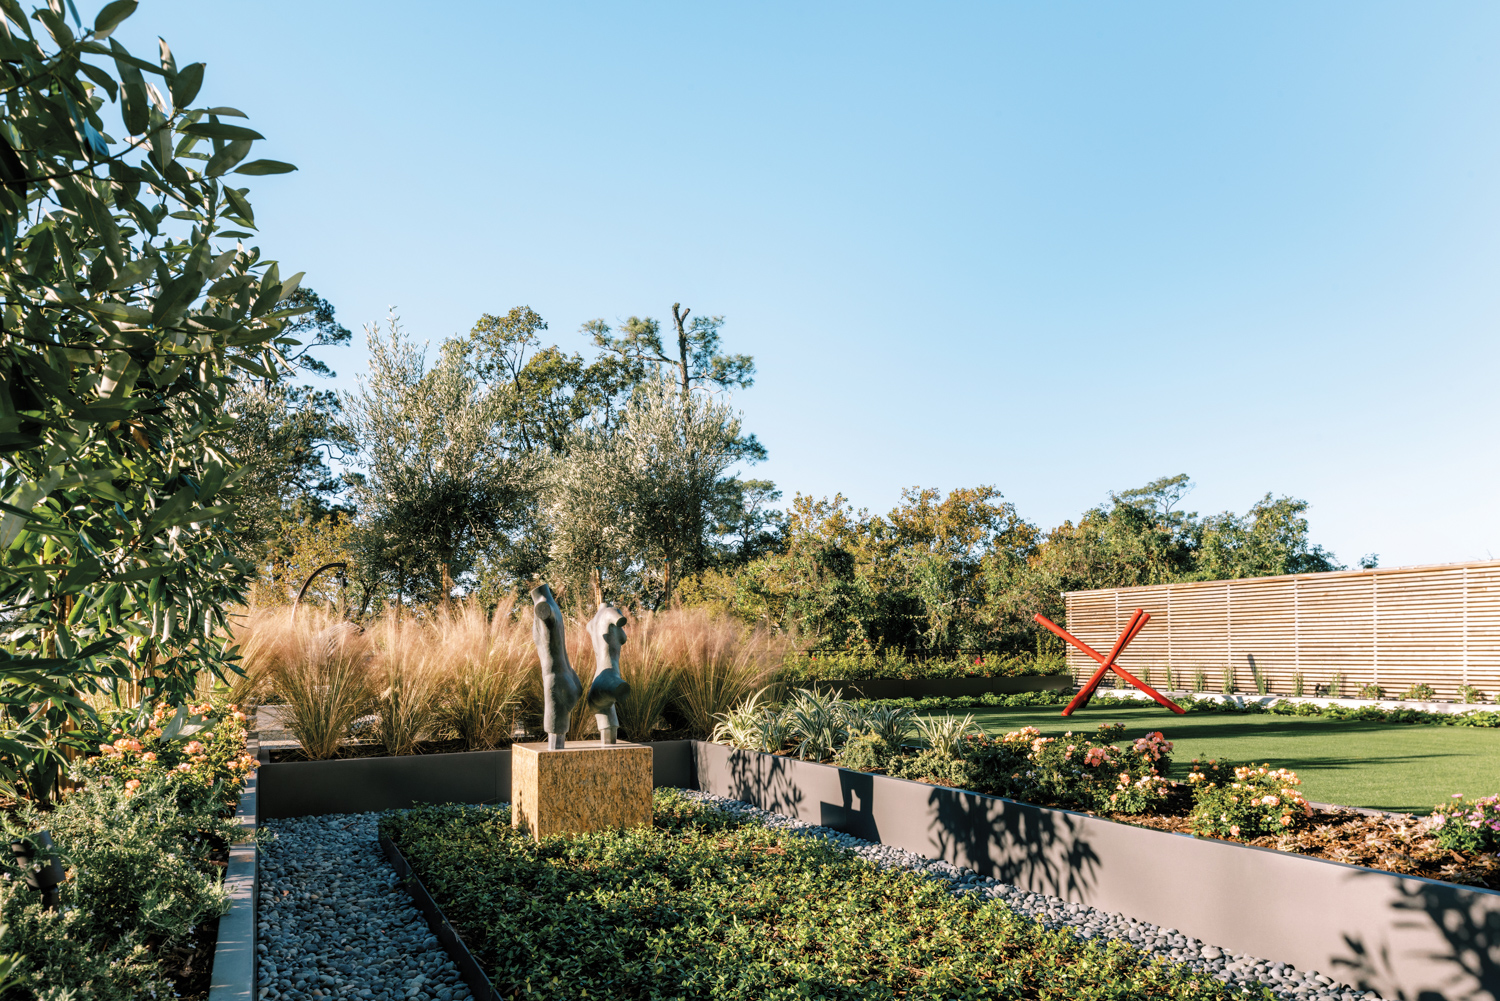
944 734
753 725
889 723
816 723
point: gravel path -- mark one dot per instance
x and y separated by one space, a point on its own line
1086 922
334 922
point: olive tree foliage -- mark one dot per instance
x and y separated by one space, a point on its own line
283 437
438 488
129 308
630 507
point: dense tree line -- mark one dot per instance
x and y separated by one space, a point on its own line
506 459
965 573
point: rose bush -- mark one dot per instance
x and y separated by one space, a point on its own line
1249 802
198 749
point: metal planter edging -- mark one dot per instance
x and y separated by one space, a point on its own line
233 977
955 688
453 943
365 785
1402 936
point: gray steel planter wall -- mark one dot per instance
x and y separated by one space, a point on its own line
362 785
899 688
1401 936
233 974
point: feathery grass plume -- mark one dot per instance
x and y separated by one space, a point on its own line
490 661
719 662
321 668
408 674
269 640
652 675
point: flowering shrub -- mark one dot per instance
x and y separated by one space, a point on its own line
1468 827
1074 771
202 755
1256 801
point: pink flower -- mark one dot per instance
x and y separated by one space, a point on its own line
149 756
1234 830
184 767
193 747
133 785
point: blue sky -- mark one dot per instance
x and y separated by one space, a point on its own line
1059 248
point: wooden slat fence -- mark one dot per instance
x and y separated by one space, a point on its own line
1398 627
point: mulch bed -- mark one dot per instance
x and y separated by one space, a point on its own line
1393 842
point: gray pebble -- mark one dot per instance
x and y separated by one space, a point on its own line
334 920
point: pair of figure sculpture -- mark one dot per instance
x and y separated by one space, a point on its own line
561 688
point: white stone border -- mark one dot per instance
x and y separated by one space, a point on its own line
1447 708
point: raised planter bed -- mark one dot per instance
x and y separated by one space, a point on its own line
234 970
363 785
919 688
1401 936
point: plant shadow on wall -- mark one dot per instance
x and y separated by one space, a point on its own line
1467 920
1016 843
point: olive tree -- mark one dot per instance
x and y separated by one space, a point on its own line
131 302
630 507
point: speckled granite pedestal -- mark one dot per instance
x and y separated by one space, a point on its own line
584 787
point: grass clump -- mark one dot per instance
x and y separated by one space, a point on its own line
705 906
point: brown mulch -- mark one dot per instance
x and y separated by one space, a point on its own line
1393 842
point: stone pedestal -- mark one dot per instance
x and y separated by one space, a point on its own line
584 787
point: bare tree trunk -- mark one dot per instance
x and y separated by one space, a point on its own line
679 316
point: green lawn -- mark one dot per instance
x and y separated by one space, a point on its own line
1379 765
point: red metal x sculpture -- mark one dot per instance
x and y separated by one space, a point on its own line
1137 623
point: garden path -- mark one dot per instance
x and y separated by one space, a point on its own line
335 922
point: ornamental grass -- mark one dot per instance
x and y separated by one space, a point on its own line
489 662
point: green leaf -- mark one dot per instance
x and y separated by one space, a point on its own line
144 573
258 167
232 112
110 17
240 203
222 161
117 311
186 84
101 78
219 130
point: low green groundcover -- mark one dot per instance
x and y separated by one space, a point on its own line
705 905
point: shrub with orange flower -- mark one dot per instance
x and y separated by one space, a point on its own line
1248 802
208 764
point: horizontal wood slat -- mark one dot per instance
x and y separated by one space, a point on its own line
1437 625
